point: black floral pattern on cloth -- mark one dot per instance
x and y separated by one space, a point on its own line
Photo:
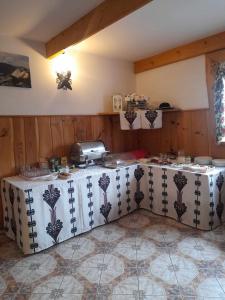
211 204
197 211
72 209
219 102
151 115
104 182
220 205
127 175
180 182
20 221
51 196
130 116
90 203
11 199
6 210
164 192
118 192
138 195
151 190
31 223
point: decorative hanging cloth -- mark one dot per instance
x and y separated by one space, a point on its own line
151 119
219 102
130 120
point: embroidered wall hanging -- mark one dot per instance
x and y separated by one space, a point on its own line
130 120
151 119
141 119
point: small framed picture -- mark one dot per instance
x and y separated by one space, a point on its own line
117 103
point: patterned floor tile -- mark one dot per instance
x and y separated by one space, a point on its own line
141 257
162 233
76 249
210 287
185 270
163 269
217 235
33 268
3 286
59 287
108 233
112 268
134 221
189 247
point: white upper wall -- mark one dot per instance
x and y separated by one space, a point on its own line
183 84
97 79
156 27
40 20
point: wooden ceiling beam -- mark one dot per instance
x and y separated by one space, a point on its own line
199 47
99 18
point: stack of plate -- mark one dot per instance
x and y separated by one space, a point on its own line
203 160
218 162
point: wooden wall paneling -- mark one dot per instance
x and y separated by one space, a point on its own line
161 140
117 136
184 132
107 123
19 142
97 128
165 143
82 127
173 118
45 138
101 127
199 133
7 162
31 140
57 136
130 140
68 134
168 140
150 140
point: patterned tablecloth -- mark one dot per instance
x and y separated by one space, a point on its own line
40 214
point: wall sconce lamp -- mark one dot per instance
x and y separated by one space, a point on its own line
62 67
64 81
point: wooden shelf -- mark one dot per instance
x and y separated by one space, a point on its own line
117 113
108 114
171 110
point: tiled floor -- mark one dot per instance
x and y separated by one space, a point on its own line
141 256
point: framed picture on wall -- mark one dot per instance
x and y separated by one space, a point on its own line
14 70
117 103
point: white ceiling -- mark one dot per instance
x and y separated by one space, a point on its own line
40 20
156 27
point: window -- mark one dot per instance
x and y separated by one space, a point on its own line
219 102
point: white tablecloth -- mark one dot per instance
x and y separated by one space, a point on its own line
41 214
193 199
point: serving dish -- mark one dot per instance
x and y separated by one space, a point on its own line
203 160
49 177
218 162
